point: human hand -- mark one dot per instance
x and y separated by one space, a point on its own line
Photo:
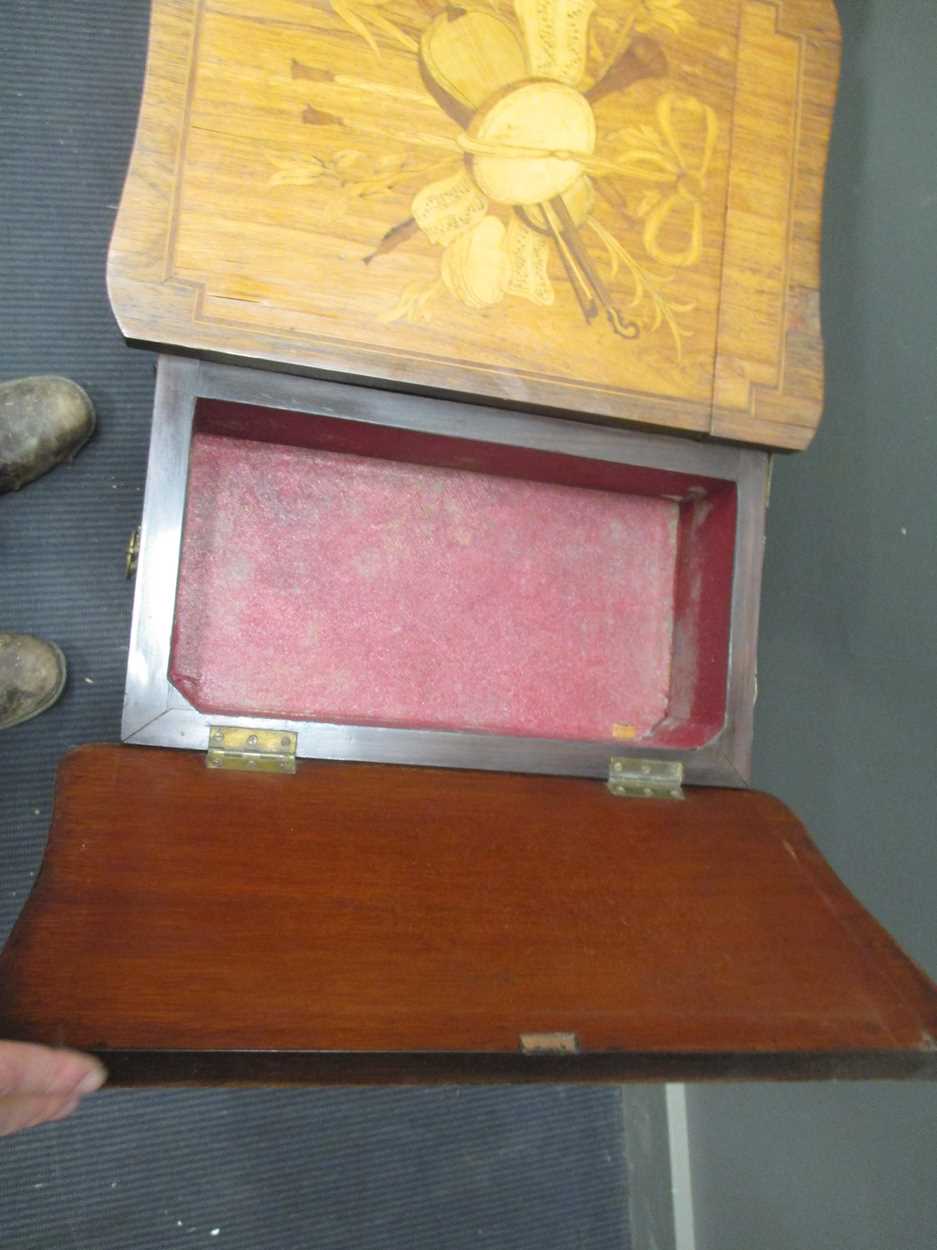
39 1084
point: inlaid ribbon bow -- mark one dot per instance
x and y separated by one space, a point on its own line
685 125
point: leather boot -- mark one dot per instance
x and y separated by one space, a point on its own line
32 676
43 421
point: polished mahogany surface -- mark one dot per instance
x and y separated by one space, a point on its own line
397 923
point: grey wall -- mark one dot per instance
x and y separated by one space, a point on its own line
846 729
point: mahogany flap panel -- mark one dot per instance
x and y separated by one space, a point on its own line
369 910
604 211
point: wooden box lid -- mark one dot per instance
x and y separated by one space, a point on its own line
608 210
369 922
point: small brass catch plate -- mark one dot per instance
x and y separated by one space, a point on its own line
251 750
645 778
549 1044
133 553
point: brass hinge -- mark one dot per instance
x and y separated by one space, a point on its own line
645 779
251 750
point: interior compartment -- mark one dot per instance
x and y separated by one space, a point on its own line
349 573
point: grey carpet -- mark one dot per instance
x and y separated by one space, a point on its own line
260 1170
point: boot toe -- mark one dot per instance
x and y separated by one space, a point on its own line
32 676
43 421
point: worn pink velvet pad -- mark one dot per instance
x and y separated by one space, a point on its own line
321 585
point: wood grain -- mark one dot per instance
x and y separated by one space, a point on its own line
386 923
769 367
330 188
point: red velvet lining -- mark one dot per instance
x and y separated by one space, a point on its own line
523 593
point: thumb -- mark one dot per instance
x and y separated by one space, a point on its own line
27 1069
22 1111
